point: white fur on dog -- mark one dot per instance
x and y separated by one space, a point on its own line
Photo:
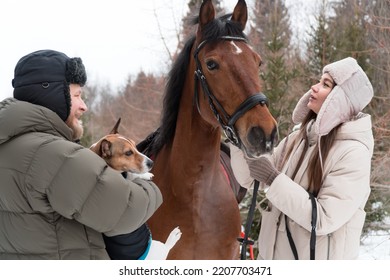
145 176
159 250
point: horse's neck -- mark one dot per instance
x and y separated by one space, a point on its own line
194 137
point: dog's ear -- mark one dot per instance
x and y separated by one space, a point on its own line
105 149
115 129
96 148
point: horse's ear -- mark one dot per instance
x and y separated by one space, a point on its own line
115 129
240 13
206 13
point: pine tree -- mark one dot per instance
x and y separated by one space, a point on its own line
320 50
349 31
270 34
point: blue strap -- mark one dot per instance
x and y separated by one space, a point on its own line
143 256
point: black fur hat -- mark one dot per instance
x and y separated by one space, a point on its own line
43 78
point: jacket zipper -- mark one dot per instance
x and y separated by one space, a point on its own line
328 256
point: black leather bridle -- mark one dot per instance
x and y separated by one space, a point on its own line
226 121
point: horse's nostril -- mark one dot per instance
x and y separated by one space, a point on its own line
260 141
256 136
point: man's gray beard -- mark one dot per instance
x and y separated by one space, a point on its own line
77 130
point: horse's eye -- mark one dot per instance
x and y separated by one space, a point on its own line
212 65
128 153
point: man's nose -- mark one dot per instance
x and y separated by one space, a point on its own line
83 106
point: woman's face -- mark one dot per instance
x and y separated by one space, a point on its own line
319 92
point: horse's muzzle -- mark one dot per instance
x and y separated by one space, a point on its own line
258 142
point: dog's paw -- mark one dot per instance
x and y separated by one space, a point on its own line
159 250
145 176
173 237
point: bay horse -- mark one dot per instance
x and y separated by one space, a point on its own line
222 95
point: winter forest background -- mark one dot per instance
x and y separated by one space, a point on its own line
357 28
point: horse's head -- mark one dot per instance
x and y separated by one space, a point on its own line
227 72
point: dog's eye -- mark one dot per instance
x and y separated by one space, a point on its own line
128 153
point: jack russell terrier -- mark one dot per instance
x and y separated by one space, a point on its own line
121 154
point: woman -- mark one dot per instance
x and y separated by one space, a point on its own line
329 157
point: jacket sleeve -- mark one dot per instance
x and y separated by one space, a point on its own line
130 246
80 186
345 189
240 166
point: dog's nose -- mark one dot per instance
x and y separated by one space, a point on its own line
149 163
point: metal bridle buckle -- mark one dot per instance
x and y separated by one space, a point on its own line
231 135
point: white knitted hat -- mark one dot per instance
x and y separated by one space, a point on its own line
353 92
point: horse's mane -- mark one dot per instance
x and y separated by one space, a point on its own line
221 26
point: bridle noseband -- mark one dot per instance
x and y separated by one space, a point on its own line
226 121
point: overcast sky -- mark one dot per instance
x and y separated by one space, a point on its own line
115 38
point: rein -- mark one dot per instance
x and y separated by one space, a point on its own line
245 240
226 121
312 233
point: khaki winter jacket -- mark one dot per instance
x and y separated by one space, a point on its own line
340 202
56 197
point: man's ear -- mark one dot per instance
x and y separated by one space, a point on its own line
105 149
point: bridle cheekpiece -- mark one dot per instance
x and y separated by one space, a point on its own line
226 121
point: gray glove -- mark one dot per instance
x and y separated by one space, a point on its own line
262 170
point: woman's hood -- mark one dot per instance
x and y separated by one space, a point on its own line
352 93
358 129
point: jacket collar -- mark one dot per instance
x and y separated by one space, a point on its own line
19 117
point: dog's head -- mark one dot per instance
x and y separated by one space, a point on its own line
121 153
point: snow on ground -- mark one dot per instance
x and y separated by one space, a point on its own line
376 246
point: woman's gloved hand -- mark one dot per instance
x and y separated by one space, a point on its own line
262 170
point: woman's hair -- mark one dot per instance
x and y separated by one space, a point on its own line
315 171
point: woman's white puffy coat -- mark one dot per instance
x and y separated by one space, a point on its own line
340 202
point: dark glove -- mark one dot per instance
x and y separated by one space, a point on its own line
262 170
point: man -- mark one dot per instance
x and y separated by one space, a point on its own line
57 197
